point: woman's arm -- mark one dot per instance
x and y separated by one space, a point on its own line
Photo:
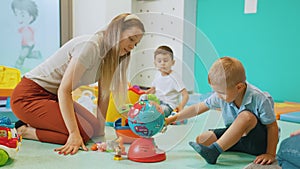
70 78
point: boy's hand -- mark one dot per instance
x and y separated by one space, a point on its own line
179 108
167 122
264 159
170 119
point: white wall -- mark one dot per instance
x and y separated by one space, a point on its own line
165 23
89 16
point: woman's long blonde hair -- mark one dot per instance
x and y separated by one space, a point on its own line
113 68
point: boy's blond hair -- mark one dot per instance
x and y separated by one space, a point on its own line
228 71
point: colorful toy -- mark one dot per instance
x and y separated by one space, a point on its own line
9 78
116 146
150 97
87 100
114 113
109 145
117 117
124 131
145 119
285 107
10 141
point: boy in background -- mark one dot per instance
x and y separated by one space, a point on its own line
167 84
248 115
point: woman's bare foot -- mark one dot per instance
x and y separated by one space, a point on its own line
27 132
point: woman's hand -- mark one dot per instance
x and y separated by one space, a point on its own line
72 145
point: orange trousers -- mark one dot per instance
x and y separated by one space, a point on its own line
39 108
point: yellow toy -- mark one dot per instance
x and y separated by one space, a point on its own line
9 78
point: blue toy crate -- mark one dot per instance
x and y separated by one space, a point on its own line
4 112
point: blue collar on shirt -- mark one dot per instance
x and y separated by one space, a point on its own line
247 99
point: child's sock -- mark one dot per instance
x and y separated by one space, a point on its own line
210 153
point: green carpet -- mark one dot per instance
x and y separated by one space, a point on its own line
37 155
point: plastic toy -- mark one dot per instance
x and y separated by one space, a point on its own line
145 119
118 155
10 141
114 113
9 78
151 97
116 145
125 132
117 116
87 100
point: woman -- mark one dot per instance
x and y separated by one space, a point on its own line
43 99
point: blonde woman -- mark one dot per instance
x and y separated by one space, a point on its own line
43 99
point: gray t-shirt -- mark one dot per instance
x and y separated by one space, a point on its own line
50 73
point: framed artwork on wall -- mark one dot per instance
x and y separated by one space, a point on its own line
32 30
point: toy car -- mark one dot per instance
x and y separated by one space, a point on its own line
10 141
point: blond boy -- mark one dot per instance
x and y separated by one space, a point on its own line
247 112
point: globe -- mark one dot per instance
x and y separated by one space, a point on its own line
146 118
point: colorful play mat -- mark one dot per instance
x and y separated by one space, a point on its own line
287 111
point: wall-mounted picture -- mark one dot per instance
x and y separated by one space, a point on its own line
30 32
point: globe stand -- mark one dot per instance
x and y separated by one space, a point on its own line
145 150
145 118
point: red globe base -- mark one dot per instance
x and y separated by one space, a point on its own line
144 150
